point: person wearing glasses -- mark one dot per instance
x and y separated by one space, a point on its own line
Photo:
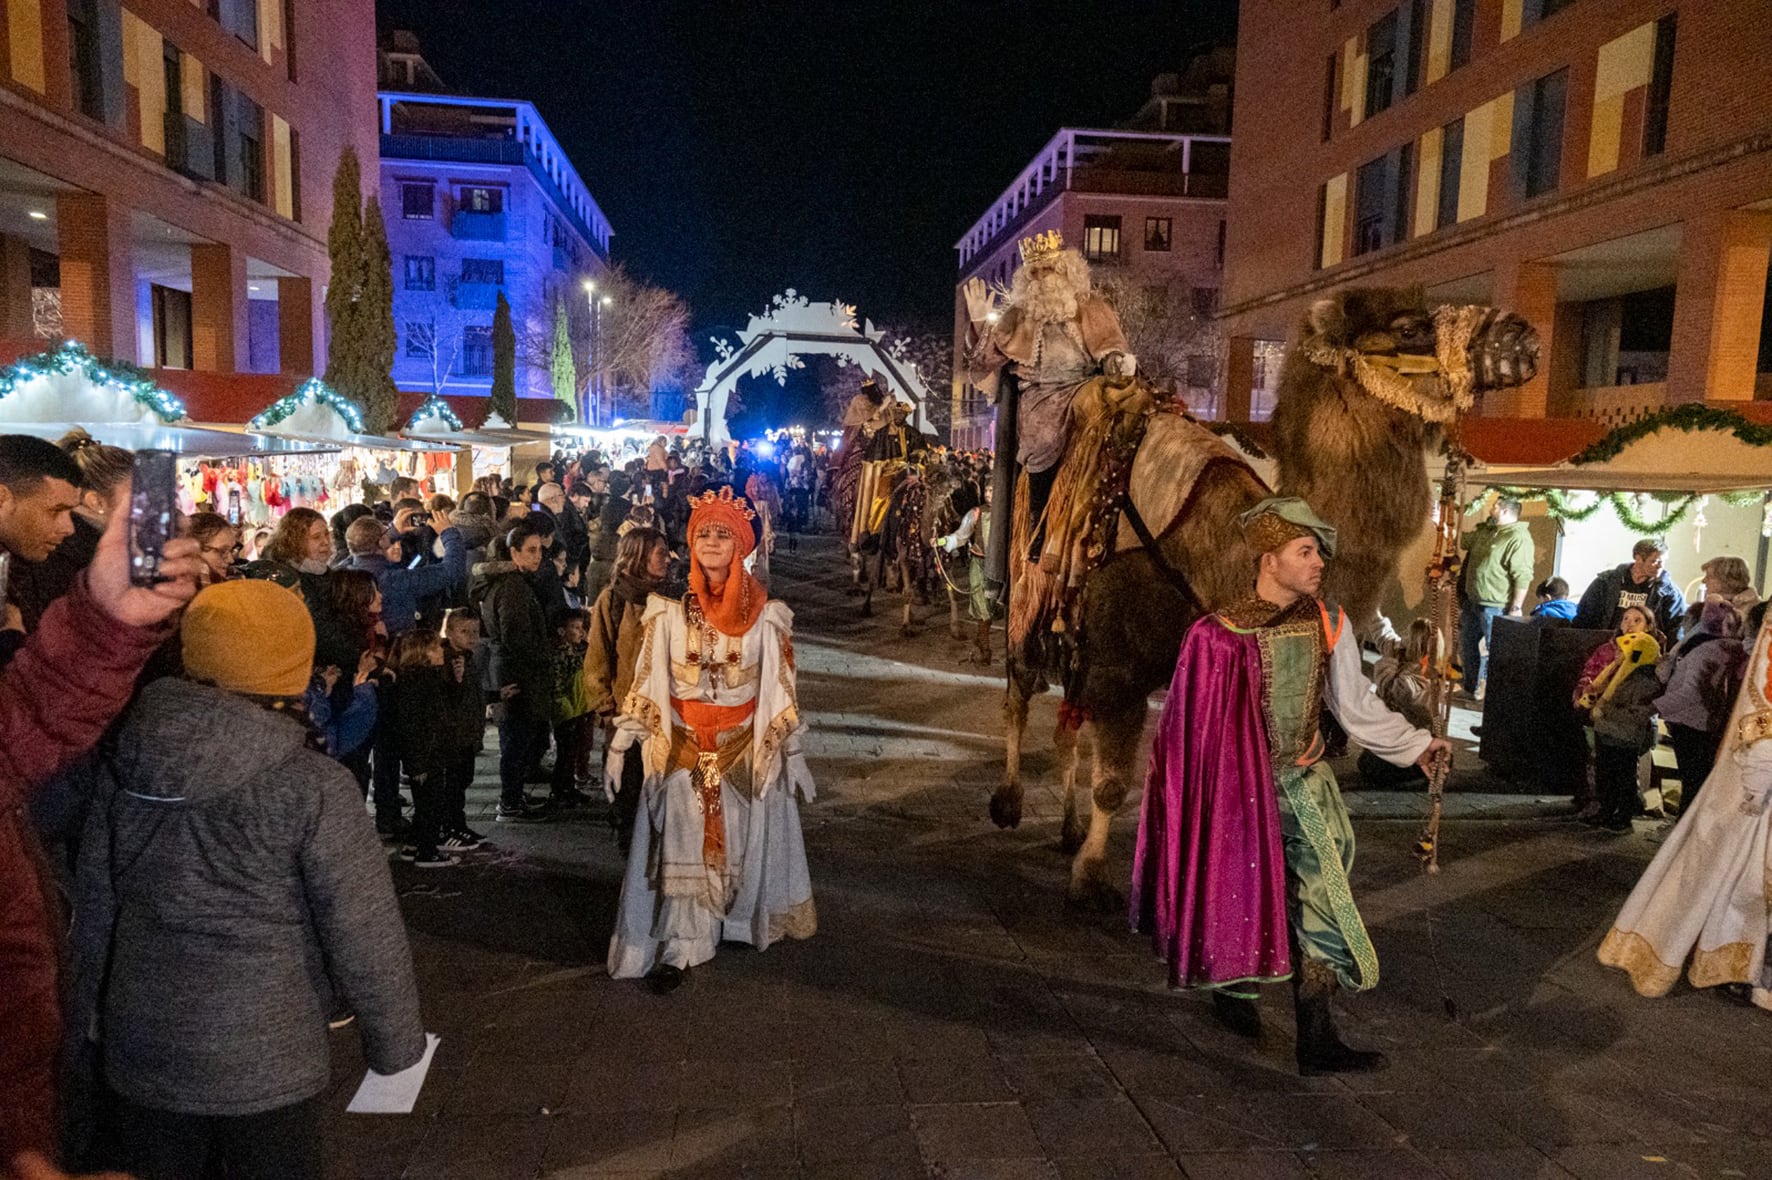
218 543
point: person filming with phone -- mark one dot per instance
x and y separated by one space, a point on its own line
68 681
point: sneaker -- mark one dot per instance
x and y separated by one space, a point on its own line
428 860
521 814
462 840
566 800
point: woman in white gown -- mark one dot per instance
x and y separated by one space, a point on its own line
1704 896
717 852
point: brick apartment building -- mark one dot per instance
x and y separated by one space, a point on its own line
479 198
1145 204
166 171
1603 167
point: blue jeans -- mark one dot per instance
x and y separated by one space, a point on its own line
1474 623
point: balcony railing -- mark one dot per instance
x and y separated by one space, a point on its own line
476 296
469 226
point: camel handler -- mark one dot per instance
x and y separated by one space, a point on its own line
1054 333
1244 844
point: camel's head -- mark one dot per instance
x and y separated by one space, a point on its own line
1429 362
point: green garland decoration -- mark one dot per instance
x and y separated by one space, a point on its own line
435 407
73 357
311 390
1689 417
1679 504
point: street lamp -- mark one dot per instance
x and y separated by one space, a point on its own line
593 400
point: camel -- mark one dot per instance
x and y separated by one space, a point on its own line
1357 456
903 558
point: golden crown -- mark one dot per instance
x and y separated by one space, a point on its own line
1042 245
723 498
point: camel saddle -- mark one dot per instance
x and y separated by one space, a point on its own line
1130 445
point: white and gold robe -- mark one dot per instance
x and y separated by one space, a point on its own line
678 902
1705 895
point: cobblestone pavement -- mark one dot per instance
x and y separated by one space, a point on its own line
952 1019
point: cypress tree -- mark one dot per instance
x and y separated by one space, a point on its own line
503 401
375 308
344 248
564 371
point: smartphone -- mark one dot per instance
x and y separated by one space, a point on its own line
153 513
234 506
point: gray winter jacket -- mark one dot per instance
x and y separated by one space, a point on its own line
229 884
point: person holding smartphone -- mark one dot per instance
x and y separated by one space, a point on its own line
68 682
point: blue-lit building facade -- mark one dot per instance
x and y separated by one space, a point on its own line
478 197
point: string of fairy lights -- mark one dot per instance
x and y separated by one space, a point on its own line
309 392
73 358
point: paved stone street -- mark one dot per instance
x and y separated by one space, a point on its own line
952 1019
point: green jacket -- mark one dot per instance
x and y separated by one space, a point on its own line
1498 560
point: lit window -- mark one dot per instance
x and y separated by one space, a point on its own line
481 200
1157 234
1101 237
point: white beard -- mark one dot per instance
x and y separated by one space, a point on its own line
1049 299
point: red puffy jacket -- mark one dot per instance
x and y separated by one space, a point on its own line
69 681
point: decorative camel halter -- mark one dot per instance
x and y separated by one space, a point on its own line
1434 388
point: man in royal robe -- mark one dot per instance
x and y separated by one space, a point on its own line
1241 875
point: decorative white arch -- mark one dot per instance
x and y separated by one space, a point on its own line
795 327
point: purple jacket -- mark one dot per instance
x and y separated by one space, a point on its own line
1701 683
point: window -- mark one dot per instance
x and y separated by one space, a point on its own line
1661 81
83 59
1101 237
481 200
1451 168
418 338
1381 201
294 174
172 326
476 352
1464 16
1205 301
1157 234
1538 134
239 17
1381 63
1414 35
1201 372
1221 242
421 272
1533 11
482 270
249 134
1330 95
417 201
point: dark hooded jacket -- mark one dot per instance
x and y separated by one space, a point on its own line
228 890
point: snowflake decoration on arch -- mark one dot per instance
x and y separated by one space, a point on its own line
790 298
722 347
789 362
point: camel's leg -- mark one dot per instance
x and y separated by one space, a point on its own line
1116 757
1070 745
1006 803
907 627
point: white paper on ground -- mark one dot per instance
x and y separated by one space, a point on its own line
394 1093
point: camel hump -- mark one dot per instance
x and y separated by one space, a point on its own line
1174 452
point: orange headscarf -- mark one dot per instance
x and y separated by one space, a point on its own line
734 608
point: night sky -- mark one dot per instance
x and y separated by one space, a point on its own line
742 148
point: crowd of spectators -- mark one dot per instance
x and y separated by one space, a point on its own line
281 716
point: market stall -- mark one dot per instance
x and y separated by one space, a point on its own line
493 449
356 465
54 392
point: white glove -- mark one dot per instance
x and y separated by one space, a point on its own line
800 777
619 742
1120 364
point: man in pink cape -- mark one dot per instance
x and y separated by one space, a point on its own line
1244 844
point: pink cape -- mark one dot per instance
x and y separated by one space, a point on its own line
1209 875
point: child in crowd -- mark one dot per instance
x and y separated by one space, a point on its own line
417 699
1400 679
1620 700
1554 601
569 705
464 724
